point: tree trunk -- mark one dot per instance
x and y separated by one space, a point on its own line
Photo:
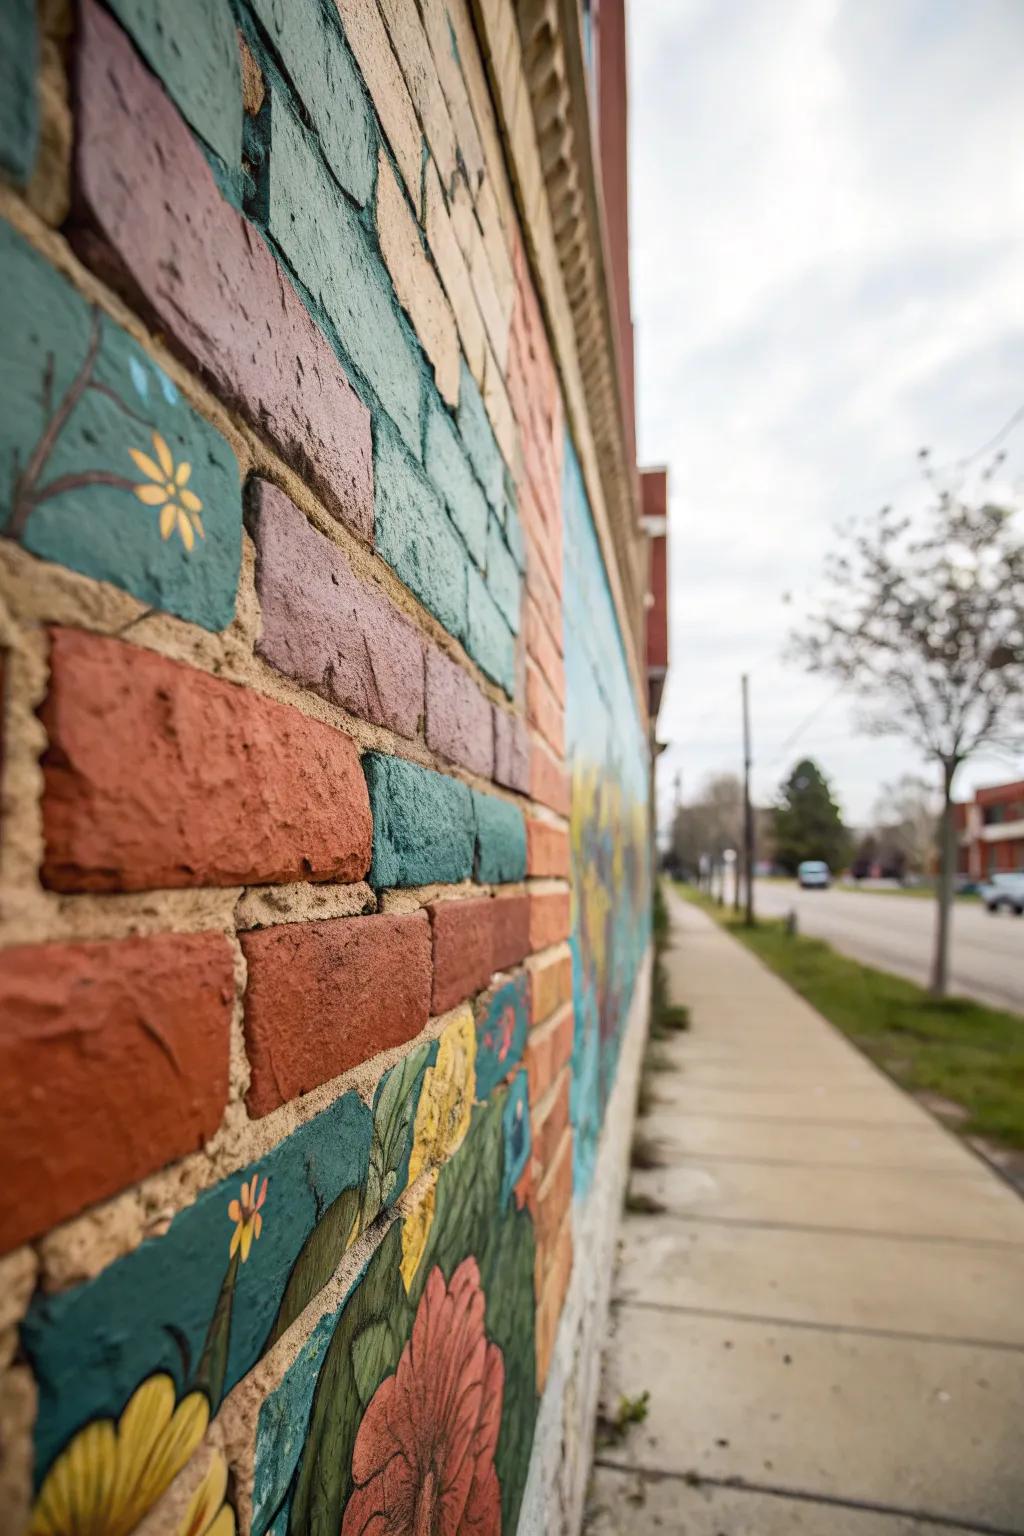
944 905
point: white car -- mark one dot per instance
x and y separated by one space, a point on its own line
1004 892
814 875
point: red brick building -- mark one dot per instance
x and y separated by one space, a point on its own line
990 831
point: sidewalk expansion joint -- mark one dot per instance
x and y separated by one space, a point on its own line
872 1232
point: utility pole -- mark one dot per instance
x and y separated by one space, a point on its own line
748 809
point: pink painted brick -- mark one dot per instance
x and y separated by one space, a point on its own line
149 218
326 627
458 715
511 751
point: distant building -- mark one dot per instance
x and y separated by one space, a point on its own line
990 831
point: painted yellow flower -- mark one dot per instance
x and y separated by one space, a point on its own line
207 1513
110 1475
246 1214
179 507
442 1120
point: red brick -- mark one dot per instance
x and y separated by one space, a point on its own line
324 996
511 751
459 724
114 1061
541 646
549 918
159 775
149 218
543 710
548 1048
548 1122
550 985
542 524
549 781
463 949
547 848
510 917
326 627
554 1194
540 588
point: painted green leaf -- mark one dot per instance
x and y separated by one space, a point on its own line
213 1362
321 1254
394 1116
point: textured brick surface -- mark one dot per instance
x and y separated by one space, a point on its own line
419 290
547 849
410 44
500 840
478 436
503 575
413 534
458 717
423 824
549 781
159 775
463 949
554 1194
511 750
548 1049
511 925
368 40
114 1060
308 39
454 273
449 469
329 629
549 918
543 709
18 112
541 646
151 219
559 1254
549 1121
321 237
551 979
489 640
323 996
192 45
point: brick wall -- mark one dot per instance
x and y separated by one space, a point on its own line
287 1008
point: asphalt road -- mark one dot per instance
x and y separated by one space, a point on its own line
895 933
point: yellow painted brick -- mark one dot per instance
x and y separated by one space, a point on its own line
416 283
369 42
496 319
497 248
454 275
409 42
435 18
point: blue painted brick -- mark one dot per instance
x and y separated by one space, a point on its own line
19 115
321 237
500 840
413 534
310 46
502 575
450 471
502 1025
481 445
513 526
423 824
193 46
489 640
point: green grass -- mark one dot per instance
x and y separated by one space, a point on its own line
969 1054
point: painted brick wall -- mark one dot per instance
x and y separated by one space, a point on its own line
295 1033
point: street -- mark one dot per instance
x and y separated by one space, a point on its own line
895 933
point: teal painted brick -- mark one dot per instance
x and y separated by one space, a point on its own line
489 640
310 47
424 826
193 46
513 526
19 115
500 853
320 235
479 440
450 471
502 575
75 503
413 534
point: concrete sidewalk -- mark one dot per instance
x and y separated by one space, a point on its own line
829 1313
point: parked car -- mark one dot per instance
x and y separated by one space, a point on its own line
1004 893
814 875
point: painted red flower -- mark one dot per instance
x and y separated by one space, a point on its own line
423 1461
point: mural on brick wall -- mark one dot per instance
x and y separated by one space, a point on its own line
412 1401
607 753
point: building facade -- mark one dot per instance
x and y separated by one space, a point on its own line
324 860
990 831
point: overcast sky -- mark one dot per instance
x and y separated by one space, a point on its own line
828 273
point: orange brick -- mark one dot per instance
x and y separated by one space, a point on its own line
552 1295
543 710
548 1123
541 646
549 781
548 1049
547 849
549 918
554 1195
550 985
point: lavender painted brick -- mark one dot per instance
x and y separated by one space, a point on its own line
458 715
502 575
325 627
511 751
448 467
150 219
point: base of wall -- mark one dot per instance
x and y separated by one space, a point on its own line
564 1431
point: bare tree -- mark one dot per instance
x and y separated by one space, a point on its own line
923 619
906 817
711 823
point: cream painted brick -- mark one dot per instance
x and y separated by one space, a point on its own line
497 248
496 317
435 18
499 410
368 40
409 41
478 87
419 292
454 275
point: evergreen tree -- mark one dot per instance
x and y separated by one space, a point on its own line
807 820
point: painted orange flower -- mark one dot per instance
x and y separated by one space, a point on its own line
423 1460
179 507
246 1214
